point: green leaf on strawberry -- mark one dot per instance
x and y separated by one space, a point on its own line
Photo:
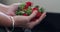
22 5
41 10
28 11
19 13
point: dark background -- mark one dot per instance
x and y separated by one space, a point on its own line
50 24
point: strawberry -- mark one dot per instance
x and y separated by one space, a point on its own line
25 14
28 3
26 7
34 9
37 15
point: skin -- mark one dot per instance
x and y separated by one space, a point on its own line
20 21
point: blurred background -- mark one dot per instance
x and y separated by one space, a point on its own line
49 5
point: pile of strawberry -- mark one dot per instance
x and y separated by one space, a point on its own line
26 9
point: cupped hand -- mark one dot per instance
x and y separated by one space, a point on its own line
32 24
11 9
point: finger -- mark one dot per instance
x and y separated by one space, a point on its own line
34 23
40 19
31 24
14 7
32 15
42 16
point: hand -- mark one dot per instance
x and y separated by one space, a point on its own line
3 8
22 21
31 24
9 9
12 9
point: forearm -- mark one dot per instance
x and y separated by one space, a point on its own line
5 20
20 21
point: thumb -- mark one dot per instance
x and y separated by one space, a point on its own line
32 15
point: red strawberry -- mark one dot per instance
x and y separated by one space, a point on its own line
34 9
28 3
38 14
25 14
26 7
